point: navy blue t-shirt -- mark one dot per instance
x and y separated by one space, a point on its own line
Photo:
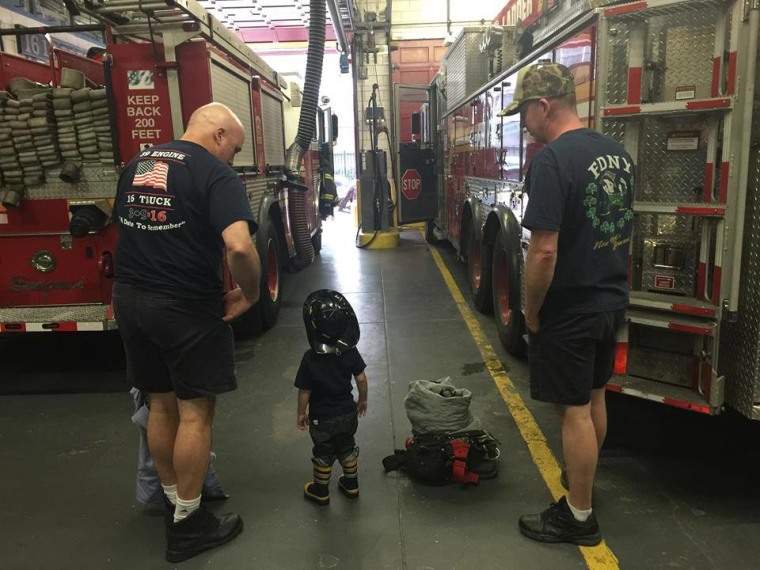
581 185
172 204
328 376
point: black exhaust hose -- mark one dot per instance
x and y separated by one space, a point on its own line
306 125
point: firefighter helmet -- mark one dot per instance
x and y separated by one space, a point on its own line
330 321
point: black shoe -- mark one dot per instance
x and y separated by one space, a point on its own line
557 524
168 514
563 479
200 531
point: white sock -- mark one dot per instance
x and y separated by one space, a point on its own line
185 508
581 516
171 492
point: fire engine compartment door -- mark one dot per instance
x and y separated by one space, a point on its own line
274 128
415 171
48 270
234 90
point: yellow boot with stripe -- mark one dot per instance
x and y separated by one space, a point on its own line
318 490
348 483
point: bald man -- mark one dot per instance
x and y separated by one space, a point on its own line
178 206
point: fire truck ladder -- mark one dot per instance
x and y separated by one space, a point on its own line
682 109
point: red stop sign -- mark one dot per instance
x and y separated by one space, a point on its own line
411 184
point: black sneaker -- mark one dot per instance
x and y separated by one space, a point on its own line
200 531
557 524
168 514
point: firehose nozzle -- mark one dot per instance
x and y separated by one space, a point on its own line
13 196
71 172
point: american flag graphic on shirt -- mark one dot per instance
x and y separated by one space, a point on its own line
151 173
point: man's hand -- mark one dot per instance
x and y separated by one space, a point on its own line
303 422
361 407
235 304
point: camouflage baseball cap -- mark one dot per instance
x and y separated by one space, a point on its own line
540 81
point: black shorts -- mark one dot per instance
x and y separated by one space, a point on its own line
333 438
175 345
571 355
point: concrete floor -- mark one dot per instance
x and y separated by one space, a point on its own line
674 489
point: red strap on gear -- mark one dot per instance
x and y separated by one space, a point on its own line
461 450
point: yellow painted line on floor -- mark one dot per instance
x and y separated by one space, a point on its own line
598 557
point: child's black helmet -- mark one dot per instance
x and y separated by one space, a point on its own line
330 322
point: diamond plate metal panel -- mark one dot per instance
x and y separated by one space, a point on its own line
679 50
740 341
96 182
681 45
78 313
466 67
674 176
617 66
615 129
666 280
651 230
663 363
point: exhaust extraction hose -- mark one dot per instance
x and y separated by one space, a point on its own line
306 125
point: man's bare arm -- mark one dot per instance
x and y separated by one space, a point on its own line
245 266
539 272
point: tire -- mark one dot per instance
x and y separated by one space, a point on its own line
270 250
430 232
507 301
479 271
263 315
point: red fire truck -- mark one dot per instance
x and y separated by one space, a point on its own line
68 126
675 82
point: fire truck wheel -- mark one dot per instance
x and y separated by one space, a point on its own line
479 256
430 232
506 293
268 240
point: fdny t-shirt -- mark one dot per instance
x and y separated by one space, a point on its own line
328 376
581 185
172 204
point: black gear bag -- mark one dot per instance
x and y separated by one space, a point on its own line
441 458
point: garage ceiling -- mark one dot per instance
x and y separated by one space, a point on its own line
259 21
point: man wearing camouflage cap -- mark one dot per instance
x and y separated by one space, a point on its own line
576 283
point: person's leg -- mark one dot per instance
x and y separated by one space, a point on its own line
163 422
561 360
579 445
323 456
193 445
348 456
599 415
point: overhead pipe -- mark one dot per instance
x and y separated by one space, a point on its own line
306 126
337 22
